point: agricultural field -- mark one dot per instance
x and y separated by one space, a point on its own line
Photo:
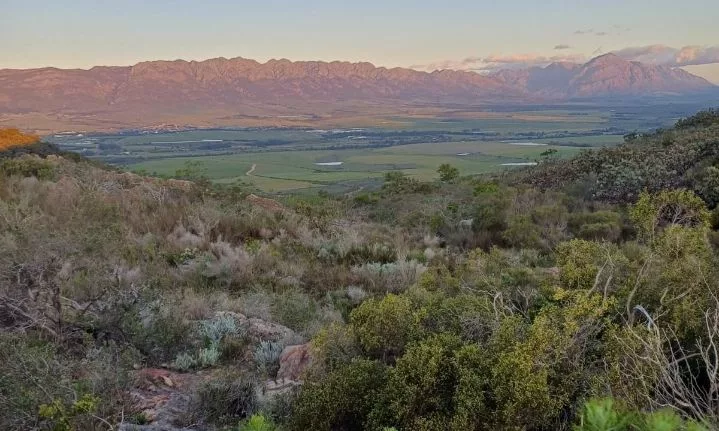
344 159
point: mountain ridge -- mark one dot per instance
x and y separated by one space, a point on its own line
156 91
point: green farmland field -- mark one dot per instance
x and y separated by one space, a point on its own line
286 159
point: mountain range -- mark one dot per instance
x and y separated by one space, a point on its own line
227 89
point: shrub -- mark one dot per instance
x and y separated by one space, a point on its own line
224 401
602 415
184 362
27 167
447 173
257 423
421 386
343 400
208 356
389 277
385 326
267 357
219 327
700 119
295 309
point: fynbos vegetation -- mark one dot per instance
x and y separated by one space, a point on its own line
579 294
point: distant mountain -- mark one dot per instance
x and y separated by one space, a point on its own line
605 76
232 82
180 91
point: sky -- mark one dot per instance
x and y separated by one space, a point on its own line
460 34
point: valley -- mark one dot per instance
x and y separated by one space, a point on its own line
351 156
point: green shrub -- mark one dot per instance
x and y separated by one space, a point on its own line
384 327
603 415
447 173
343 400
257 423
27 167
184 362
421 386
225 401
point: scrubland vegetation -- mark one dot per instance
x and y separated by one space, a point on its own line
578 294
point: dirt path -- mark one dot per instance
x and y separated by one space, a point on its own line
252 169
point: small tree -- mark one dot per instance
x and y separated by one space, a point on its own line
447 173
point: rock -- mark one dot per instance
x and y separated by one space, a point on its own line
163 397
294 361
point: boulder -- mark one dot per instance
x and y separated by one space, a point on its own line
294 361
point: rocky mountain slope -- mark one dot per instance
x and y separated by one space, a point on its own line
164 91
604 76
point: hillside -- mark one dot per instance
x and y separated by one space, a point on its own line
683 157
462 303
220 91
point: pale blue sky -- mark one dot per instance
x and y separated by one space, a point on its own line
82 33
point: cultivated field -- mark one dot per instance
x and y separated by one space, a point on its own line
295 159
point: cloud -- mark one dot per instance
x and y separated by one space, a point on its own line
493 63
600 33
669 56
562 46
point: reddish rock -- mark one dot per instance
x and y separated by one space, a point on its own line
293 362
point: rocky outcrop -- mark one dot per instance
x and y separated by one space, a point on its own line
162 397
294 361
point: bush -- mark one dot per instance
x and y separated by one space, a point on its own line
27 167
267 357
257 423
219 327
225 401
420 390
184 362
447 173
343 400
384 327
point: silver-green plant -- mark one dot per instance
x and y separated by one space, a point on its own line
215 329
267 356
184 361
208 357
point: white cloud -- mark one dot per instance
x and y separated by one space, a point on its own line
652 54
493 63
668 56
